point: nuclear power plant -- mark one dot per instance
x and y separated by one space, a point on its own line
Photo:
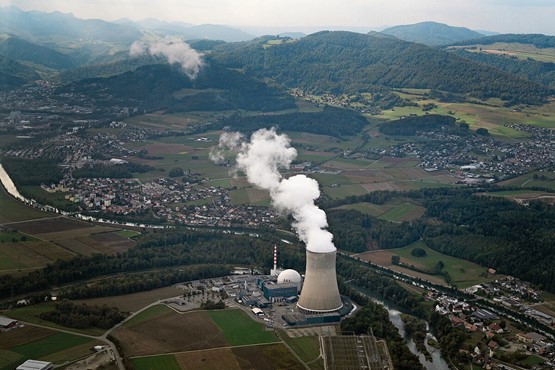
320 293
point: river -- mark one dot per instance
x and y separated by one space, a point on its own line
9 185
437 363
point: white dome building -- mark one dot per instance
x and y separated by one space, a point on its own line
290 276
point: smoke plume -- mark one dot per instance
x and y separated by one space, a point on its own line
260 159
174 50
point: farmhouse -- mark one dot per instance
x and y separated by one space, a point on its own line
6 322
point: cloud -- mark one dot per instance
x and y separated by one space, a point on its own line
261 159
174 50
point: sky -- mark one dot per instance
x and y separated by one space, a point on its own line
504 16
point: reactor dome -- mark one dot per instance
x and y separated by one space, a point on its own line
290 276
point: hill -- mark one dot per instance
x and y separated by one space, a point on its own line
431 33
14 74
45 27
153 87
25 51
345 62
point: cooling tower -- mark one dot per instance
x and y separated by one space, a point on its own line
320 293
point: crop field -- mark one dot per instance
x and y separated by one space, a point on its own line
463 273
166 362
263 357
164 121
51 225
238 329
30 342
154 332
375 210
521 51
250 195
403 212
543 179
133 302
12 210
29 255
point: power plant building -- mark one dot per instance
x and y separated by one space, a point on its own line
284 290
320 293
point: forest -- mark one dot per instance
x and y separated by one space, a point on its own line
409 126
345 62
540 72
339 122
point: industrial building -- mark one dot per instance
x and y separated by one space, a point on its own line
35 365
285 290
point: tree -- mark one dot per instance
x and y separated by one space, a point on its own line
482 131
418 252
395 260
176 172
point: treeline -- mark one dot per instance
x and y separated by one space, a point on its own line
345 62
372 317
82 316
116 171
33 172
331 121
533 70
409 126
538 40
140 282
161 250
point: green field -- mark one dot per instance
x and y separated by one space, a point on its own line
307 348
238 329
463 273
402 212
54 343
20 344
148 314
166 362
12 210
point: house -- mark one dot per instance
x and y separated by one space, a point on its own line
495 328
493 345
521 337
470 327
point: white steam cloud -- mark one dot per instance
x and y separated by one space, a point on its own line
174 50
260 159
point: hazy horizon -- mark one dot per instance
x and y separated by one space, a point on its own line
503 16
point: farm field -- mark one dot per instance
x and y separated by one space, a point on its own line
132 302
238 329
156 334
463 273
263 357
30 342
12 210
28 255
543 180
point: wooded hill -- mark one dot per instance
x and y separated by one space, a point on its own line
432 33
152 87
346 62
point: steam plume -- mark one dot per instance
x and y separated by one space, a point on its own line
174 50
261 159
